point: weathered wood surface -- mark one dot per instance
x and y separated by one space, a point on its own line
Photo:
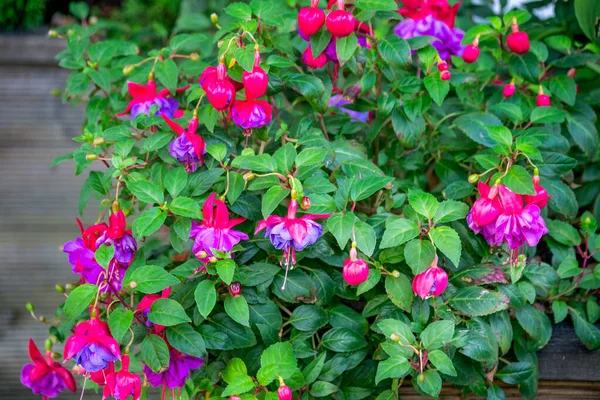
38 206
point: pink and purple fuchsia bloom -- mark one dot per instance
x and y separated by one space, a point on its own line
81 253
123 384
91 345
433 18
180 366
45 376
355 270
251 114
214 232
145 97
430 283
188 148
339 100
119 236
290 233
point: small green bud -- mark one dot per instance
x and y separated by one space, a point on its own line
91 157
42 319
474 178
214 18
48 344
394 337
395 274
52 33
70 286
30 307
128 69
195 57
248 176
98 141
55 92
133 284
284 126
93 20
421 378
60 288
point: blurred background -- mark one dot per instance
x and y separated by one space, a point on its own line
39 203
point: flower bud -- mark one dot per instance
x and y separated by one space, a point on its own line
310 20
98 141
115 206
93 20
48 344
394 337
248 176
542 100
30 307
509 90
432 282
284 392
55 92
340 23
235 289
214 18
133 284
70 286
91 157
471 53
473 178
442 66
395 274
128 69
355 270
284 126
313 62
60 288
421 378
305 203
235 398
572 72
445 75
202 254
213 260
52 33
195 57
42 319
518 42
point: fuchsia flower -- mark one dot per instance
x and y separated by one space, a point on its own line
214 232
284 392
145 304
45 376
339 100
145 96
432 18
257 81
355 270
431 282
118 235
290 233
123 384
92 346
81 253
251 113
180 366
220 91
188 148
506 218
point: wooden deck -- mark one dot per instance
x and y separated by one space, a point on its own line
38 206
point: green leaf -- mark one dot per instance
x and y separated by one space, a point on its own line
495 392
518 180
447 241
79 9
423 203
516 373
167 312
167 73
500 134
366 187
547 115
79 300
431 385
563 233
206 297
185 207
152 279
564 87
239 385
261 163
104 255
475 126
393 367
239 11
560 310
312 156
319 41
119 322
419 255
284 158
536 324
502 327
245 57
277 360
399 291
322 389
312 371
343 340
587 13
226 270
365 237
155 353
437 334
272 198
237 308
340 225
394 50
345 47
308 318
398 232
568 268
391 327
149 221
442 362
217 151
185 339
450 210
376 5
235 367
525 66
437 88
101 77
236 186
475 301
588 333
147 192
509 110
175 181
584 133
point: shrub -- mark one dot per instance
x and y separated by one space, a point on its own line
296 214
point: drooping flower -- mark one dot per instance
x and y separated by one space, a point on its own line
250 113
284 392
257 81
438 9
188 148
311 19
123 384
214 232
431 282
313 62
339 100
91 345
517 42
355 270
235 289
340 22
145 97
180 366
291 233
45 376
509 90
119 236
81 253
145 304
487 207
541 196
448 39
219 90
518 224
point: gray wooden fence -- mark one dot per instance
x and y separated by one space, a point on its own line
38 206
